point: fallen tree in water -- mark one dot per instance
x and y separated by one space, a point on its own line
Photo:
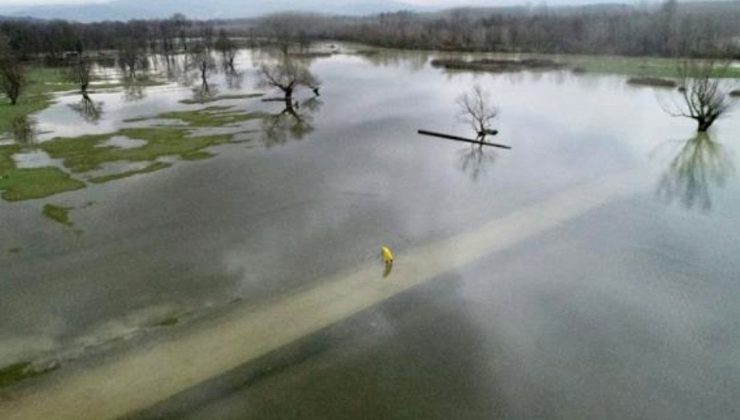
463 139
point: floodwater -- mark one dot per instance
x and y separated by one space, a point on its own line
589 272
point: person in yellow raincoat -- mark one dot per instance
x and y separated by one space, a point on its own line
387 255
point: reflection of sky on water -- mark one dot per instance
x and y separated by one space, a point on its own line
631 300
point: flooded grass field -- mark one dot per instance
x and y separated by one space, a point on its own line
169 251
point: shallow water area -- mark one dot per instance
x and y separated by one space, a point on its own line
605 245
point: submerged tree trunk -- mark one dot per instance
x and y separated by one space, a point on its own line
288 91
703 125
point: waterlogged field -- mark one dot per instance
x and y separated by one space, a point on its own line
168 251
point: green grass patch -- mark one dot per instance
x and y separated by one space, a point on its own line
213 116
83 154
220 98
156 166
87 153
633 66
58 214
6 158
20 371
27 184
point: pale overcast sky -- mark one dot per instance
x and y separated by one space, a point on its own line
416 2
35 2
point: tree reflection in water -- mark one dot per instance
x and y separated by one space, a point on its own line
293 122
700 165
88 109
203 92
24 131
475 160
233 78
133 91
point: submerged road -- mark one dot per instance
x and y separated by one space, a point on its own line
145 376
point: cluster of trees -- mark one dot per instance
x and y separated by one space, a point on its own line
58 38
686 29
75 45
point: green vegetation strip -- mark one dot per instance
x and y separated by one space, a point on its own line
83 154
87 153
213 116
6 158
167 322
634 66
156 166
26 184
17 372
221 98
58 214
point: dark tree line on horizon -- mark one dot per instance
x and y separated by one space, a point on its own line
670 29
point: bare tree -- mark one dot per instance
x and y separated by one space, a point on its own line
12 73
703 97
181 24
288 75
227 48
200 58
131 58
476 110
304 41
80 73
206 34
